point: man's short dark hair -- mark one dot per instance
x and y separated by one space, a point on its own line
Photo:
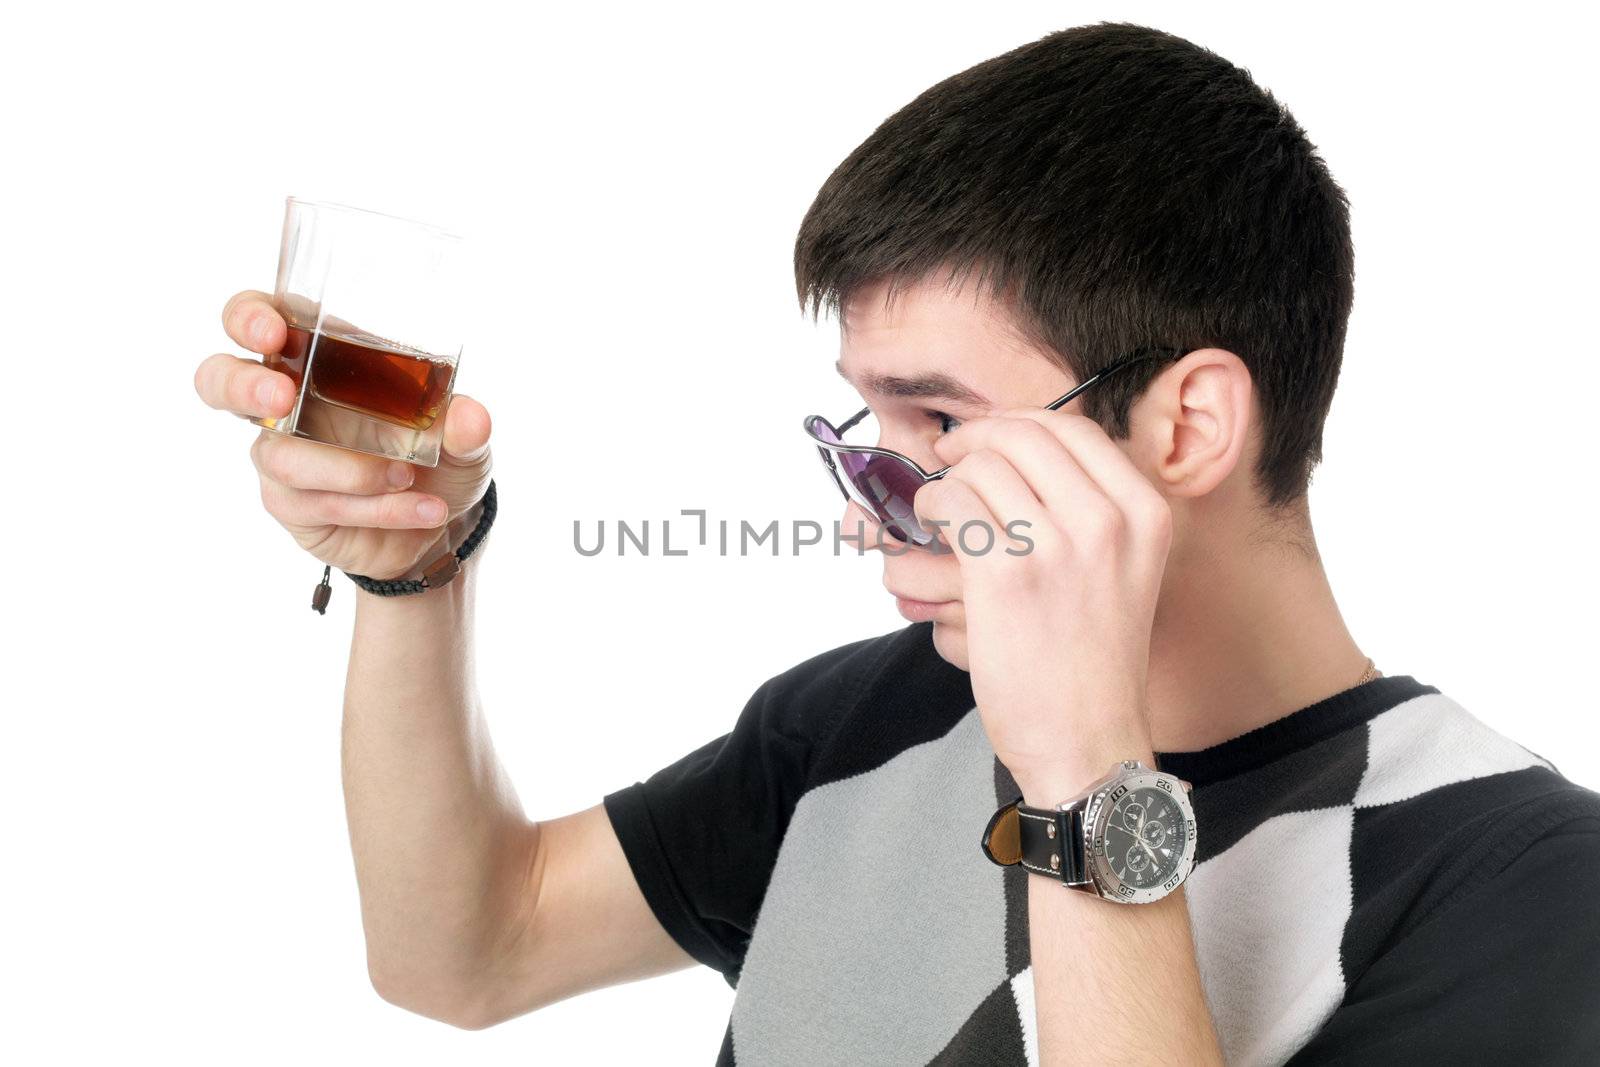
1122 188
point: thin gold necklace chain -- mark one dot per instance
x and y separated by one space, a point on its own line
1370 673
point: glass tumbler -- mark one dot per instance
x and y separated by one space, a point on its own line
373 304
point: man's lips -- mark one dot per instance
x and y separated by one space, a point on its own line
919 610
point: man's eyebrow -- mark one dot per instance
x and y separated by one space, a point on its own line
936 385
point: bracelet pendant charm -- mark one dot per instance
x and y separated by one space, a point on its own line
322 593
441 570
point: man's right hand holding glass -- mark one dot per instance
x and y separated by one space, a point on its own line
361 513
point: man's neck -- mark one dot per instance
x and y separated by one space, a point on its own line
1247 632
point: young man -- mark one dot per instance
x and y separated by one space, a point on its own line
1329 865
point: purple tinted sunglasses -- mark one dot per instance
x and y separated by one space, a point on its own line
884 482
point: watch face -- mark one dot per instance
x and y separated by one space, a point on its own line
1143 837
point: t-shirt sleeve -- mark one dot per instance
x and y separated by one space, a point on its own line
1507 970
702 834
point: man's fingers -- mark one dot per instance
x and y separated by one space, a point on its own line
1098 456
252 322
301 464
1000 486
243 386
1044 462
316 507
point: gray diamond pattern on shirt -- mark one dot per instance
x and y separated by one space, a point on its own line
825 932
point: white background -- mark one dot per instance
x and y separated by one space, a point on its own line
178 877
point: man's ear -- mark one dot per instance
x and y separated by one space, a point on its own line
1195 419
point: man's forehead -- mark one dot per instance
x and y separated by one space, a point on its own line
911 355
921 327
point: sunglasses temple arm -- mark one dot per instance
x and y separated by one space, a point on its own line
1081 386
851 421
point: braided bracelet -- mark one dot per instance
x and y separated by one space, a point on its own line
437 573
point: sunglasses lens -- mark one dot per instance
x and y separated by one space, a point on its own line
882 485
823 430
889 486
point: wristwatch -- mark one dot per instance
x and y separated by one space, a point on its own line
1129 837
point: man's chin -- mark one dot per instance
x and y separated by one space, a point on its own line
950 641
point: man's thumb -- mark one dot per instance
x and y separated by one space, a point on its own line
466 431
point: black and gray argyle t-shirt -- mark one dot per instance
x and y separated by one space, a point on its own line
1379 878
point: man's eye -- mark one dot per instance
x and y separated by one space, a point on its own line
946 422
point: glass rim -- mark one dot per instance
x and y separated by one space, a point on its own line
329 205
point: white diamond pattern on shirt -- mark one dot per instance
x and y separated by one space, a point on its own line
1429 742
1268 916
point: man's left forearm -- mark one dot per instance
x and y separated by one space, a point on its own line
1113 983
1058 644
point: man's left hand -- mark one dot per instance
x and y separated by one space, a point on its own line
1058 634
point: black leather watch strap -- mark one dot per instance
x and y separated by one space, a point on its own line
1045 841
1052 842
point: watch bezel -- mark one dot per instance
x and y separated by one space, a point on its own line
1098 813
